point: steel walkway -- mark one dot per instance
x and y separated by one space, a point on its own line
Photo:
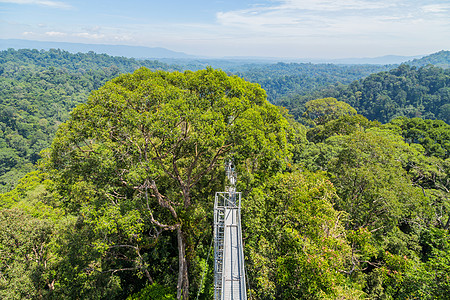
229 272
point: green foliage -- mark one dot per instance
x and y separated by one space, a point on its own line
28 184
436 247
295 239
346 209
439 59
29 224
344 125
153 292
79 62
433 135
392 180
404 277
80 272
373 187
286 79
143 154
38 91
403 91
321 111
23 246
49 254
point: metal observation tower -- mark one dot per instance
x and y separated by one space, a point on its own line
229 272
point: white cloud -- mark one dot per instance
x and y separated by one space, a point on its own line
349 25
333 5
55 34
88 35
122 38
330 17
80 36
48 3
436 8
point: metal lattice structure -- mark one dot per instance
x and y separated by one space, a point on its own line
229 272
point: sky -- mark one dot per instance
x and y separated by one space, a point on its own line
222 28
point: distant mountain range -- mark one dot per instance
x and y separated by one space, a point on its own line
381 60
240 60
113 50
173 57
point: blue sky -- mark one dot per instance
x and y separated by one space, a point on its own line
272 28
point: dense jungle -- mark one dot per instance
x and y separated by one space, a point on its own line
109 165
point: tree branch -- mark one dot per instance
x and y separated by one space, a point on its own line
222 150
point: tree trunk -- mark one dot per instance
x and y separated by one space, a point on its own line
183 281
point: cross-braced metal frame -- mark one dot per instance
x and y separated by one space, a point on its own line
229 274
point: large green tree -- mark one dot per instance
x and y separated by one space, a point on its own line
320 111
295 240
143 156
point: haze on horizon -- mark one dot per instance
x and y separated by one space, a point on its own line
277 28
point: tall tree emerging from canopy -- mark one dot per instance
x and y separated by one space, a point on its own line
321 111
136 160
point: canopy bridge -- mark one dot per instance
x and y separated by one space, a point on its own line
229 273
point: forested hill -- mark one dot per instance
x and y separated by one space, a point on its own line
284 79
438 59
78 62
404 91
38 89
